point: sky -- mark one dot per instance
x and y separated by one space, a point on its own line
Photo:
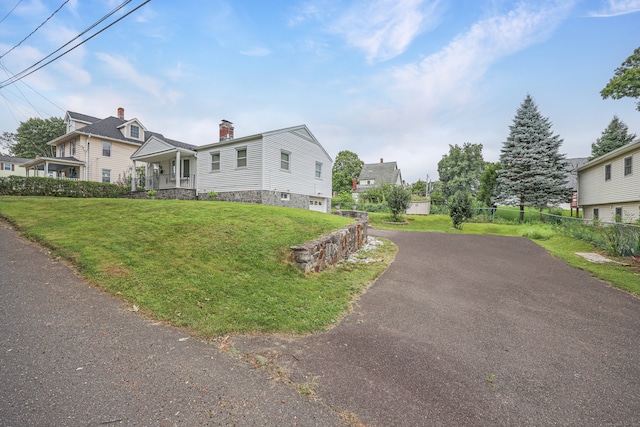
398 80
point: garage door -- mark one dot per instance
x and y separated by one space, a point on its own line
317 204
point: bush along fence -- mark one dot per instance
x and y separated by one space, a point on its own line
614 238
38 186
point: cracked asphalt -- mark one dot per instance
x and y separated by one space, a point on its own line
460 330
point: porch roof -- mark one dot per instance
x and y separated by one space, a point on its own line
54 162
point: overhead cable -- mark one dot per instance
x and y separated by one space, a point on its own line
11 11
24 73
37 28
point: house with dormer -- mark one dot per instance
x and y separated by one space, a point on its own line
375 175
93 149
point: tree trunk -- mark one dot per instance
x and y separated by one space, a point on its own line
521 209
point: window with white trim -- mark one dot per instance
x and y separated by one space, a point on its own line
106 149
72 147
627 165
6 166
61 147
607 172
215 161
285 158
318 170
185 168
106 175
596 213
241 157
135 132
284 196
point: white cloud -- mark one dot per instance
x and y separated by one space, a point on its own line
450 76
385 28
120 68
617 7
257 51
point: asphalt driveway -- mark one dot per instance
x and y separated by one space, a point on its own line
460 330
475 330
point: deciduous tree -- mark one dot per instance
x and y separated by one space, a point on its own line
488 182
32 137
533 171
625 82
614 136
460 170
346 167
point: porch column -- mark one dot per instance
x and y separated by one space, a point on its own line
46 169
133 177
178 174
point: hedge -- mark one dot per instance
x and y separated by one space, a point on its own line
38 186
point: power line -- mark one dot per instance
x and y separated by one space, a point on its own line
24 73
11 11
37 28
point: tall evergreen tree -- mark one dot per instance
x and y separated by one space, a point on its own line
533 171
614 136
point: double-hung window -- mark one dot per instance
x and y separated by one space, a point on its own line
135 132
72 147
627 165
106 149
61 150
318 170
215 161
106 175
241 157
185 168
607 172
285 158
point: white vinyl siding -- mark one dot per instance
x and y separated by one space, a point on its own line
229 176
595 193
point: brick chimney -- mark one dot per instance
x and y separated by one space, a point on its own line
121 113
381 160
226 130
354 184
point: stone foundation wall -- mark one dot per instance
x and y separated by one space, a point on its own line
165 194
315 255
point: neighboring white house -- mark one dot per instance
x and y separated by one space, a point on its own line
609 185
285 167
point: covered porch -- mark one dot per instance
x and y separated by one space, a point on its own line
168 170
56 167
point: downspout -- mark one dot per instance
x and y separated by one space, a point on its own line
86 168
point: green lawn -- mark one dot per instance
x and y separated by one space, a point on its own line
213 266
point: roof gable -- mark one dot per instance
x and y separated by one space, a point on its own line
381 172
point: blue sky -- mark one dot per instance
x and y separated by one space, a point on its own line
392 79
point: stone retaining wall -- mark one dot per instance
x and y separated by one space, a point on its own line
315 255
165 194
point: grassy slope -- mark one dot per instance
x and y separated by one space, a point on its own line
216 267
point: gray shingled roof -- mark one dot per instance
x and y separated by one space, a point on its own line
108 128
572 176
82 117
382 173
10 159
173 142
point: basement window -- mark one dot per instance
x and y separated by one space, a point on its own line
285 196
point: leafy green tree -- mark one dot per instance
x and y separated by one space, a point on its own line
533 171
419 187
32 137
614 136
488 183
460 208
435 193
625 82
398 201
460 170
378 193
346 167
7 140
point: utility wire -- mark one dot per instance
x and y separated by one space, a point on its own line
24 73
37 28
73 39
11 11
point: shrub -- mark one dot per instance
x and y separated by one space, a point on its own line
460 208
398 200
212 194
38 186
152 193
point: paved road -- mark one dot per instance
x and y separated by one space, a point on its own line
477 331
73 356
461 330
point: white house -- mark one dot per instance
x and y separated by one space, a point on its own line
10 165
284 167
609 185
